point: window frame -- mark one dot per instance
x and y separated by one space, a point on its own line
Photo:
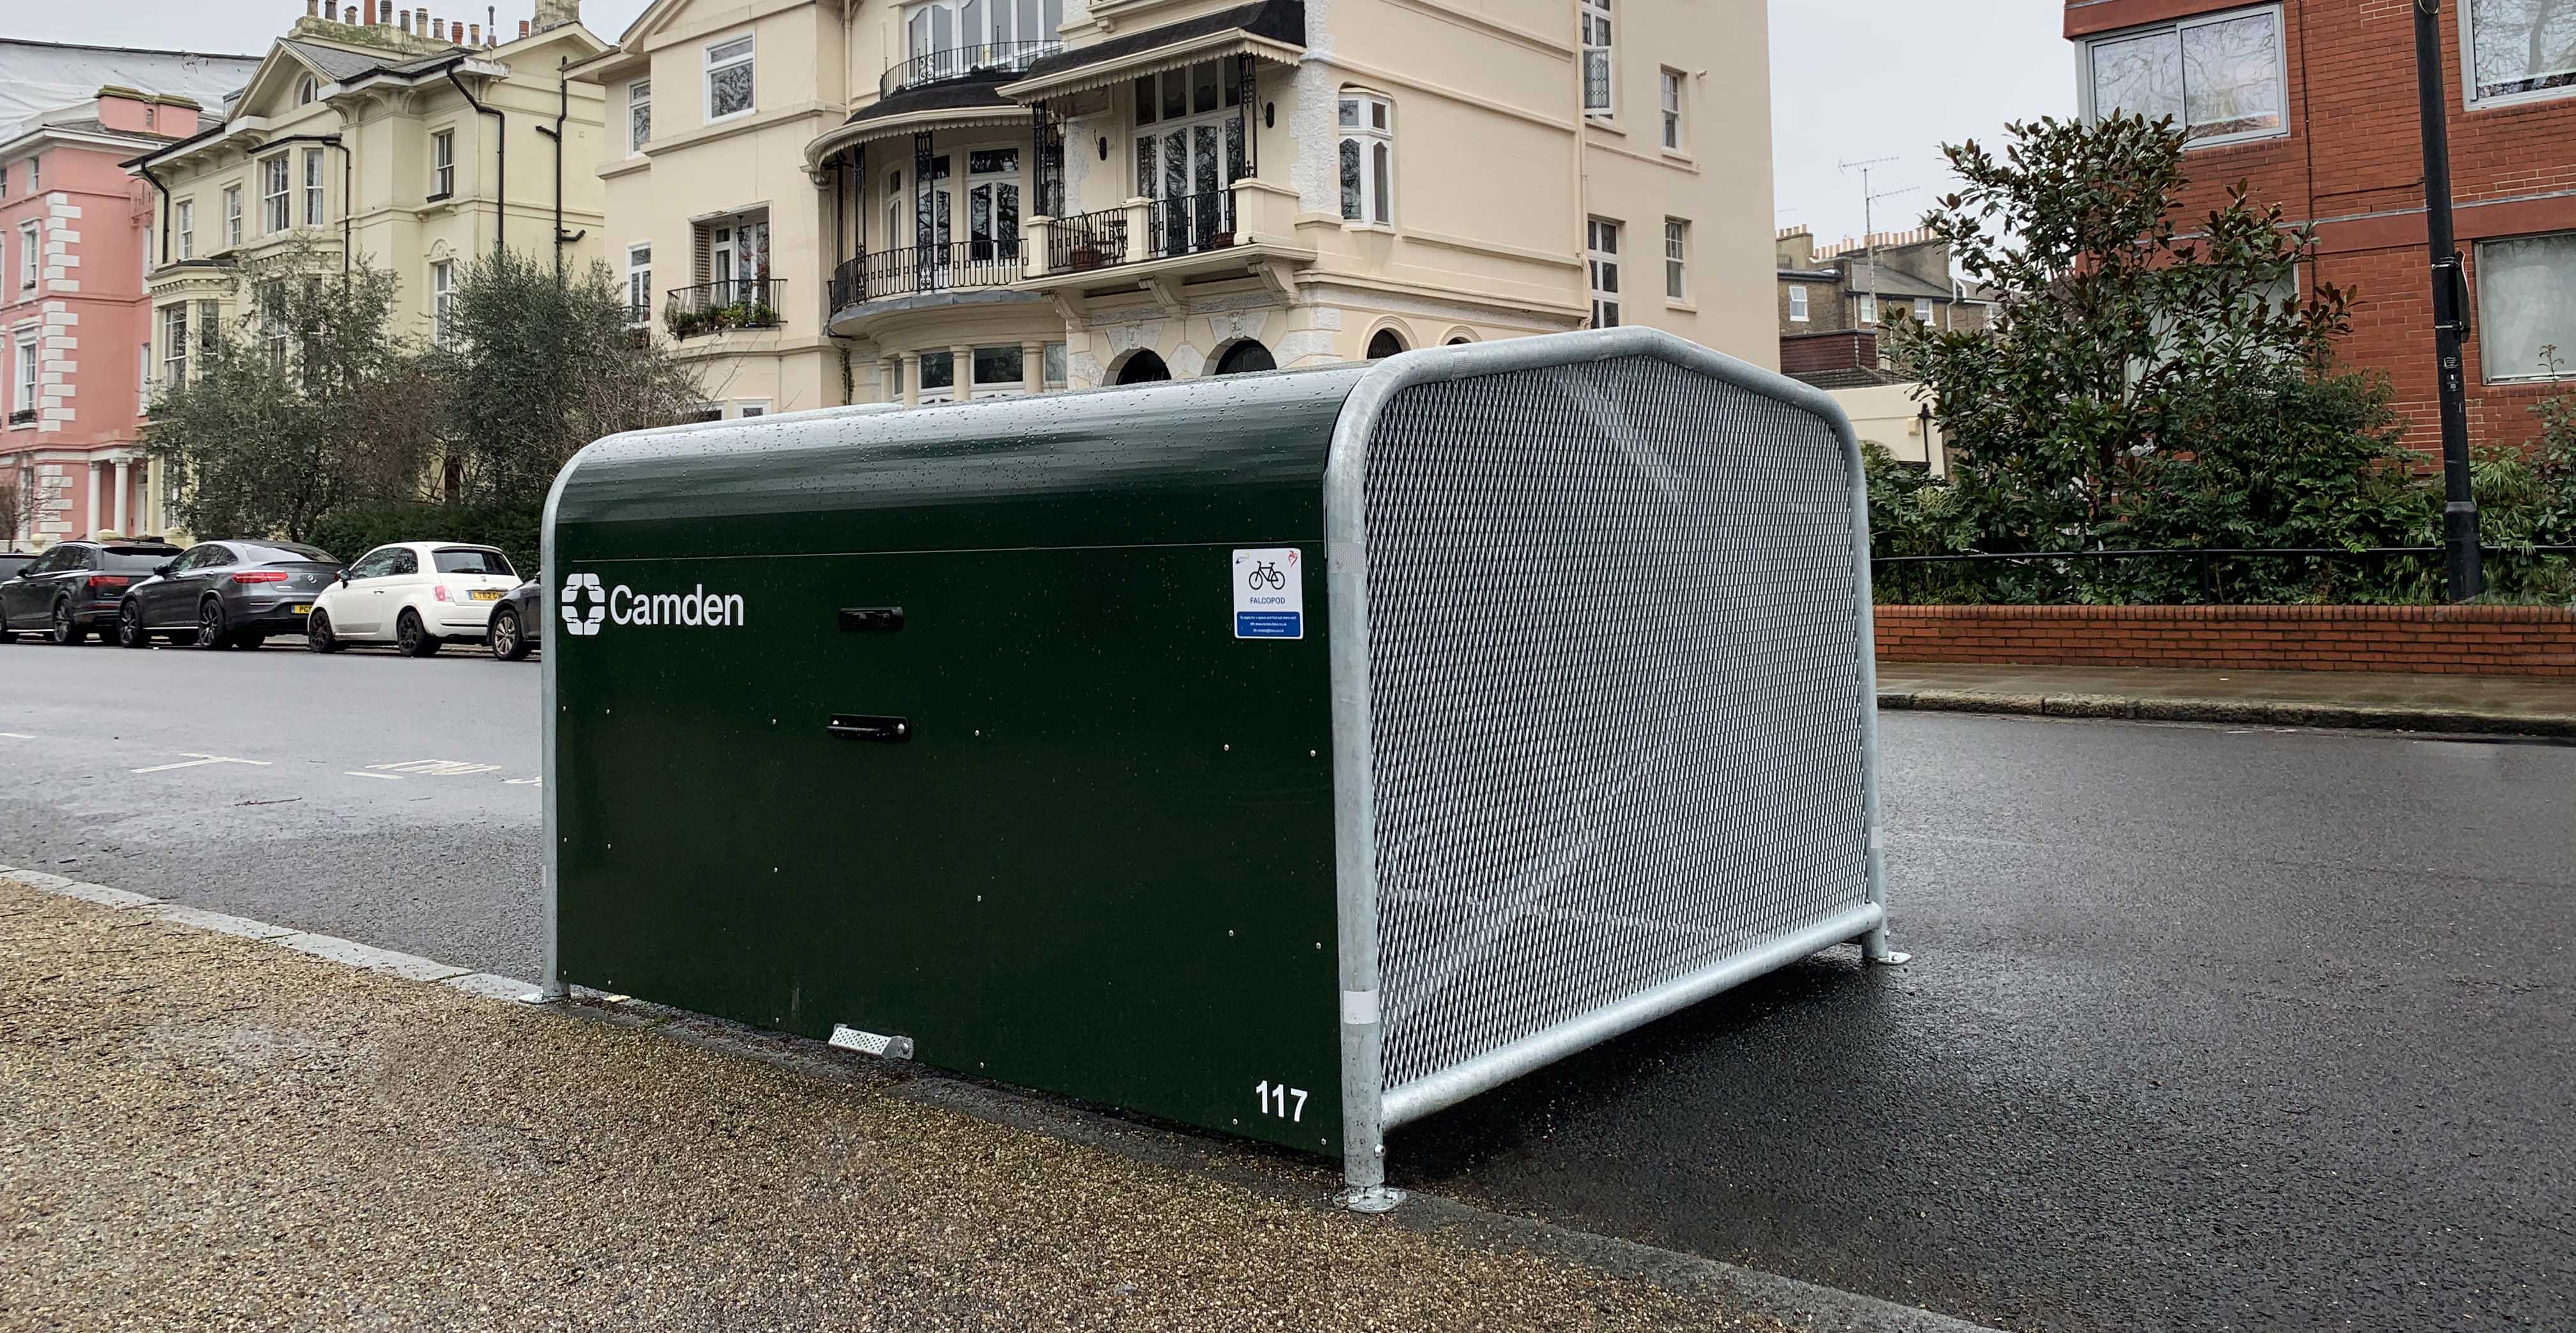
1600 15
31 255
174 343
1376 149
1800 308
442 165
2469 72
1599 261
635 270
315 189
183 228
442 303
2194 143
1924 309
233 215
1677 261
308 90
709 67
1868 304
1672 91
26 376
2486 343
277 206
639 97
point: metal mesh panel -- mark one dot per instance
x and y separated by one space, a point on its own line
1614 663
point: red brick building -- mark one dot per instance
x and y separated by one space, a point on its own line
2314 103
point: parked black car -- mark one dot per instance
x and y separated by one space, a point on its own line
518 623
74 588
226 594
13 561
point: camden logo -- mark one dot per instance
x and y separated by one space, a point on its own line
584 604
587 606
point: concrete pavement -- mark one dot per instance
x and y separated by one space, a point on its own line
2529 706
199 1130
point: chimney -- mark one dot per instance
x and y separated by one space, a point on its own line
405 18
371 13
331 10
475 38
523 30
438 30
557 13
313 9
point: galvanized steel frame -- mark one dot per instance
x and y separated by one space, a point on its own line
1369 1107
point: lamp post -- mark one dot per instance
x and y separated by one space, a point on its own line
2463 577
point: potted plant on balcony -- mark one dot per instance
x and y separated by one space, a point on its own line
684 322
760 315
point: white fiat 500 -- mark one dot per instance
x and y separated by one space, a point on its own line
413 595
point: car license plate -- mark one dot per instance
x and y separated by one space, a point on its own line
487 594
301 609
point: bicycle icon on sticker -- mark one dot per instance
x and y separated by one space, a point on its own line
1266 575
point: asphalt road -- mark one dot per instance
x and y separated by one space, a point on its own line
387 799
2207 1029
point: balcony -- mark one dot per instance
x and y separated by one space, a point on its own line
989 60
923 270
716 307
25 416
1087 241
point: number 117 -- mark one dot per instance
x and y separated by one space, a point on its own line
1272 1098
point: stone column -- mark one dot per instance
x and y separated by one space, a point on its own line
124 497
912 379
1033 366
89 480
961 372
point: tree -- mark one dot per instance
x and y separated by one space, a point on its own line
2144 384
538 367
20 501
308 403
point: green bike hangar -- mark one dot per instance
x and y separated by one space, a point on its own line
1289 755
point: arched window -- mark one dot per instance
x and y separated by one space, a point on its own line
1387 343
1143 368
1244 358
307 90
1368 158
1460 341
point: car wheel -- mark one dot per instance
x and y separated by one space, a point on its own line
411 639
508 644
318 635
67 631
129 627
210 625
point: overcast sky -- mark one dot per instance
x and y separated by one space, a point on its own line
1851 79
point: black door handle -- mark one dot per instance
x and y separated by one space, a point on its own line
862 727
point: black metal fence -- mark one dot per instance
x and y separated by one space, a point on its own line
1192 223
739 303
926 268
958 62
2210 575
1087 241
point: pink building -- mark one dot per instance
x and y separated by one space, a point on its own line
75 329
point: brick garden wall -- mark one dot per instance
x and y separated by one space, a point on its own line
2476 640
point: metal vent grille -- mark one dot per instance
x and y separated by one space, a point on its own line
1614 672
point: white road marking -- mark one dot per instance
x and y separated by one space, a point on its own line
523 782
353 773
17 735
195 759
437 768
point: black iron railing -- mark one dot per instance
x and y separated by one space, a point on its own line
740 303
1192 224
638 314
921 269
959 62
1087 241
22 416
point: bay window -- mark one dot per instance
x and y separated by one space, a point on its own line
275 213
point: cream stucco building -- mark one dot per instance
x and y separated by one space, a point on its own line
829 201
378 134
